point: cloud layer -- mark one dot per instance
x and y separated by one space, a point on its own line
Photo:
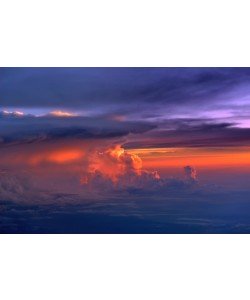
164 107
21 128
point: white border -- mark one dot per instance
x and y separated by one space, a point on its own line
124 33
124 267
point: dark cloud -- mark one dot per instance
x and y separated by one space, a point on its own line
185 134
29 128
180 132
190 173
192 107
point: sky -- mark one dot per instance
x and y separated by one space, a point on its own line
116 135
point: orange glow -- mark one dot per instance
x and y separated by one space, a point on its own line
164 158
59 113
58 157
118 118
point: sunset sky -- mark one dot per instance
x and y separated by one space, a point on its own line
90 130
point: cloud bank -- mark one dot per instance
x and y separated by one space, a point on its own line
17 127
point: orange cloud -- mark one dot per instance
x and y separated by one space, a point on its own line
57 157
60 113
113 162
118 118
114 167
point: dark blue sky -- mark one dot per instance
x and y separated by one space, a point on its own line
159 91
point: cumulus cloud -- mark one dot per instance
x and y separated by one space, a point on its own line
89 165
190 173
114 167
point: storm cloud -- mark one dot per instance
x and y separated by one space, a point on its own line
19 127
193 135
